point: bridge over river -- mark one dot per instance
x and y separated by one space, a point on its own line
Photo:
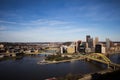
102 59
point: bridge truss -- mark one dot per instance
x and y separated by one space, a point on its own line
102 59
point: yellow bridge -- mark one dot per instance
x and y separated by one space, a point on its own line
102 59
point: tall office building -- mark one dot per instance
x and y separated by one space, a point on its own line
87 38
107 43
78 45
90 43
86 45
94 43
96 40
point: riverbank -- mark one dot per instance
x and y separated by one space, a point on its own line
89 75
107 74
56 62
60 59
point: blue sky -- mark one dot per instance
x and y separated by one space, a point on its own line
59 20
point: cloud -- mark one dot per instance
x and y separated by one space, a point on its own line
44 30
3 28
45 22
38 22
44 33
58 30
8 22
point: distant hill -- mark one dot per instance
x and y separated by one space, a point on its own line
67 43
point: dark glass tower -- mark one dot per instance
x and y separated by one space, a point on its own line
87 38
98 48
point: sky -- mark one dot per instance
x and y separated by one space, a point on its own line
59 20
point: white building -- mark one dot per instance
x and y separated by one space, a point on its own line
103 49
63 48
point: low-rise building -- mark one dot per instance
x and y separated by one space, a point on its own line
1 46
71 49
63 49
88 50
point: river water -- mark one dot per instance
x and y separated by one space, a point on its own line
26 68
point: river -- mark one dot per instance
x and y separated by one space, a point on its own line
26 68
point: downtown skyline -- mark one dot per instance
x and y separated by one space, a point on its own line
58 20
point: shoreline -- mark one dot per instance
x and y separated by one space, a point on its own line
89 76
62 61
69 60
86 76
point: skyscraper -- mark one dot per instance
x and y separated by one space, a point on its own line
90 43
87 38
78 45
94 43
86 45
96 40
107 44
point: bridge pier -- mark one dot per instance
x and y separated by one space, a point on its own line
108 66
114 68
